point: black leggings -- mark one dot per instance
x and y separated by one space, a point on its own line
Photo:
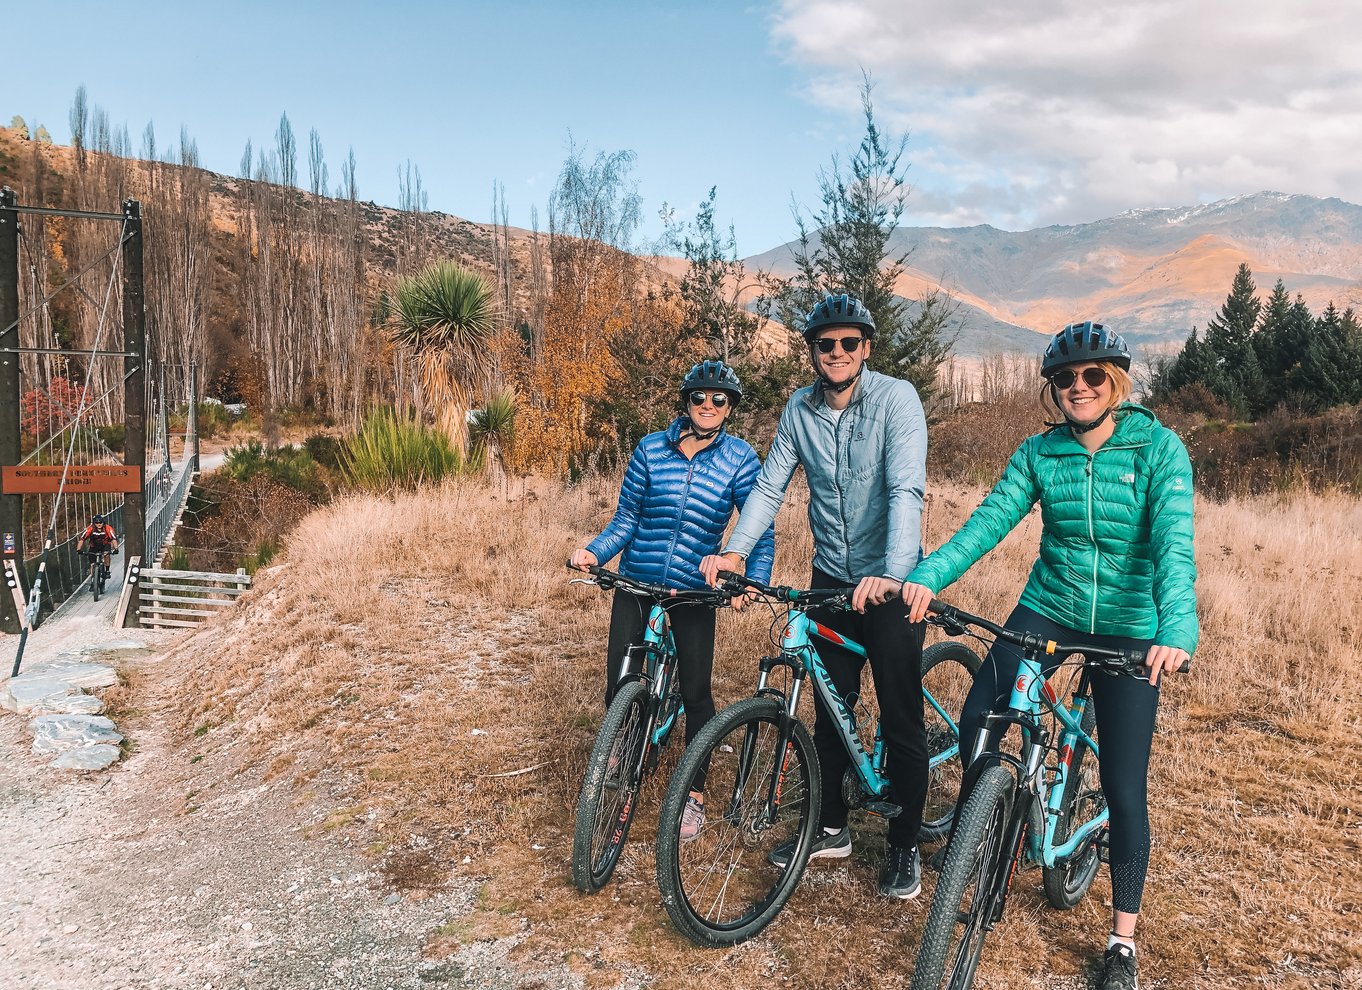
693 631
1125 729
895 651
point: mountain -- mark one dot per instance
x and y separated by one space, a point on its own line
1153 274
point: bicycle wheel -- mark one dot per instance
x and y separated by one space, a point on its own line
1067 883
948 670
95 588
720 887
609 796
973 879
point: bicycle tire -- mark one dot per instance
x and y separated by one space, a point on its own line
720 888
609 795
95 589
948 670
972 879
1067 883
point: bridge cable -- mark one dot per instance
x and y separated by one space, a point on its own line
36 593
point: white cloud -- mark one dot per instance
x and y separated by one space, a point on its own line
1036 111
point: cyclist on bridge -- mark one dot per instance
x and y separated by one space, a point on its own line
679 491
101 538
1115 567
861 438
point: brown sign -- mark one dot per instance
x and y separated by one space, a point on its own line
28 479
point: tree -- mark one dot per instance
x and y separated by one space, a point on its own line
849 250
445 313
1229 337
19 124
713 285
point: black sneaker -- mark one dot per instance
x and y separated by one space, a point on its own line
902 873
1118 969
827 846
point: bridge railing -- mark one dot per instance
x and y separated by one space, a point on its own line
165 503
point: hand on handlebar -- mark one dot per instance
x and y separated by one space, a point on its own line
582 559
873 591
918 598
1161 658
714 563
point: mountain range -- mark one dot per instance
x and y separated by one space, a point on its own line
1152 274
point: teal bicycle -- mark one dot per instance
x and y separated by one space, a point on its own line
1042 805
636 728
763 782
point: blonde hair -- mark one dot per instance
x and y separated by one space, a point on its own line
1121 389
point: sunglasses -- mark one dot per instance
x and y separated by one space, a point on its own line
720 399
1092 377
849 344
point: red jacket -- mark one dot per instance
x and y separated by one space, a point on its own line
99 535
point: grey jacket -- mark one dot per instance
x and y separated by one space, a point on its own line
866 473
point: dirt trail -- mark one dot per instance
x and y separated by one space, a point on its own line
173 870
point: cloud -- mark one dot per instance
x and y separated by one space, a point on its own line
1037 112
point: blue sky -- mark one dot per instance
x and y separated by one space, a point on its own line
1019 114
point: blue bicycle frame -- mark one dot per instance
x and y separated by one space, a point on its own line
657 640
1031 697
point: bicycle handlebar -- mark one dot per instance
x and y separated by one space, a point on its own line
613 579
803 598
954 620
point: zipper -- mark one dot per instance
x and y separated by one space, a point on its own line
685 500
1092 538
841 496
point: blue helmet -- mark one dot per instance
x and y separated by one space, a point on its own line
839 311
1086 341
712 375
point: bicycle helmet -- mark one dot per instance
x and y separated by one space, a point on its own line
839 311
1086 341
712 375
98 520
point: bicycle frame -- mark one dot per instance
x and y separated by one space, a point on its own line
1031 697
652 672
799 652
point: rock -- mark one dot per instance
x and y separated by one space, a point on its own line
28 691
58 733
393 899
117 644
95 757
72 704
83 675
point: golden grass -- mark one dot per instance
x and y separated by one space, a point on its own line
416 647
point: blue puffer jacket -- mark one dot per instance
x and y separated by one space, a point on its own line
672 511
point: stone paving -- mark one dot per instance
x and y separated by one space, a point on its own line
66 660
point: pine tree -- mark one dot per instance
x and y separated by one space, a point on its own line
1229 336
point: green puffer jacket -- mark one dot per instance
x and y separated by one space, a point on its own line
1116 549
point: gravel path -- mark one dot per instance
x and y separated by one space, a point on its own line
167 871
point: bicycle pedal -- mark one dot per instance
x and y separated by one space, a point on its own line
885 809
1103 844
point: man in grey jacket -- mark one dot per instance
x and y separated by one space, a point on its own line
861 438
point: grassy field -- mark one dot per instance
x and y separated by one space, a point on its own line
423 649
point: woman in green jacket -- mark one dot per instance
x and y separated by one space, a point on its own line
1115 567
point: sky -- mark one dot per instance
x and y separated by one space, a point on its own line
1018 114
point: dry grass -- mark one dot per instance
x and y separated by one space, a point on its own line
413 648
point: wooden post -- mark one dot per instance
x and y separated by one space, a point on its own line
192 448
134 393
11 506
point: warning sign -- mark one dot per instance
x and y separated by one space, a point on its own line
26 479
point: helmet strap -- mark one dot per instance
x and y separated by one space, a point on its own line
701 435
840 387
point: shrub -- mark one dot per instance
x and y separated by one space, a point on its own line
292 467
326 450
393 451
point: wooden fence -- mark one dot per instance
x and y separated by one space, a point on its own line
187 598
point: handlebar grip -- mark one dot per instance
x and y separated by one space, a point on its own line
730 576
1186 666
938 606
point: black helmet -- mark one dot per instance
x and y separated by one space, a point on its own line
839 311
712 375
1086 341
98 520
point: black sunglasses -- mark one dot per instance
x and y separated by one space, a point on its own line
849 344
1092 377
720 399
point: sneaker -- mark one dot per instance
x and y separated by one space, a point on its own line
692 818
1118 969
902 873
835 845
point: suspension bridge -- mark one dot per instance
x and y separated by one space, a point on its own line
92 421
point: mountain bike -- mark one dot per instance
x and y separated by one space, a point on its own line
1043 805
97 578
765 783
636 728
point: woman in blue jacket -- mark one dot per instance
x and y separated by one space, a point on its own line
680 489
